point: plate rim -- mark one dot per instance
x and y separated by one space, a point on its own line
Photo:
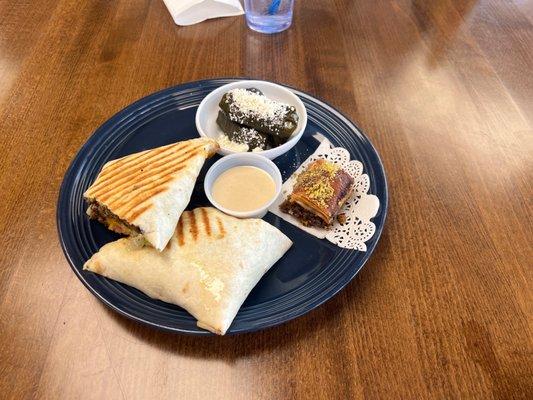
287 316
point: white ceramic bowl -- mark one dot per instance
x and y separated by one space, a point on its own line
237 160
207 112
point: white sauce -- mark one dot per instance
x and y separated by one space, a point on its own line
243 188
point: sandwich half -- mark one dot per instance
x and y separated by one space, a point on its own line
145 193
209 267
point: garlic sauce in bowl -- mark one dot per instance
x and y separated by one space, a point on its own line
243 188
243 185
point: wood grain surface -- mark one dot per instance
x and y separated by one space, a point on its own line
443 309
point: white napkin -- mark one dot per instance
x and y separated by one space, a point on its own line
188 12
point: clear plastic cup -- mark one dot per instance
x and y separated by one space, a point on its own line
268 16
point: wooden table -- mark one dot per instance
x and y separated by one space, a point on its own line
443 309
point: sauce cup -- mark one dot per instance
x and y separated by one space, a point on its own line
237 160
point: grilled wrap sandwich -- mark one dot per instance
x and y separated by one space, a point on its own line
209 267
145 193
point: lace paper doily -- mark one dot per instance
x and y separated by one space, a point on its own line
359 209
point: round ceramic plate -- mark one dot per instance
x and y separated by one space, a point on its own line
310 273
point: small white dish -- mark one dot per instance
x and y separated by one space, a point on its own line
237 160
207 112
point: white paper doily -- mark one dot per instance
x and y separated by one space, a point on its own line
359 209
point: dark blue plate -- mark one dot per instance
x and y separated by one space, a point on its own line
310 273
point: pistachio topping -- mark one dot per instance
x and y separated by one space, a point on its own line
316 180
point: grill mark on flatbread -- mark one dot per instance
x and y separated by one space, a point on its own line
110 175
140 211
179 230
222 231
124 199
141 160
125 163
114 166
140 184
113 162
193 229
121 179
130 177
129 209
205 218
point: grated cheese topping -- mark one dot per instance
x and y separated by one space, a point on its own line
228 144
250 104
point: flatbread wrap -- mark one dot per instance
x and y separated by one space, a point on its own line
145 193
209 267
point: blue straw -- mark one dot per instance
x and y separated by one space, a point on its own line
274 6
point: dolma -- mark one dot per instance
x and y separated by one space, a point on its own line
242 134
251 108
